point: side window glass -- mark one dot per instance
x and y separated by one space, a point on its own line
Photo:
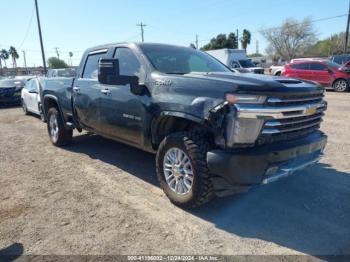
29 85
318 67
91 65
129 65
304 66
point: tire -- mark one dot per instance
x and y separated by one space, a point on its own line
41 113
341 85
278 73
24 107
195 147
58 134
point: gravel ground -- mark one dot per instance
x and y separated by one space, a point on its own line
98 196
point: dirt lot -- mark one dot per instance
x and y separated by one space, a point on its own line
101 197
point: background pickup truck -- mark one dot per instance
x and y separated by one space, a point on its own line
214 132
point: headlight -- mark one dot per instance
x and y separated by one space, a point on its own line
245 99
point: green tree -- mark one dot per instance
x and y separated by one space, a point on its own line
330 46
221 41
245 39
14 55
4 55
54 62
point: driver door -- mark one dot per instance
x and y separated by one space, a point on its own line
122 111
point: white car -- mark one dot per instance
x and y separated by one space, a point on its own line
30 95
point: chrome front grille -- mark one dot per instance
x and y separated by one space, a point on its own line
295 100
281 118
292 124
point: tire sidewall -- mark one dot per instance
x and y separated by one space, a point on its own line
188 199
53 111
347 85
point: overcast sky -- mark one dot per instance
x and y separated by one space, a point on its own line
74 25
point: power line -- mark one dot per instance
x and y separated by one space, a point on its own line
28 28
277 27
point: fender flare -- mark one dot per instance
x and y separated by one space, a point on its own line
45 111
181 115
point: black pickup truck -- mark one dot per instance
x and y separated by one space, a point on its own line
214 132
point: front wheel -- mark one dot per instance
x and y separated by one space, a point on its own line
59 135
182 169
341 85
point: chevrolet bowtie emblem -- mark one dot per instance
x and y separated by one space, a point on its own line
310 110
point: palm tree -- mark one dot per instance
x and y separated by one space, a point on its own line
14 55
70 56
4 55
245 39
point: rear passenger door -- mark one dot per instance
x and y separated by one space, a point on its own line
321 73
87 92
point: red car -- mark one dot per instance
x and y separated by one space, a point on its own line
324 72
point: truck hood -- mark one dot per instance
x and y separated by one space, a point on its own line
248 83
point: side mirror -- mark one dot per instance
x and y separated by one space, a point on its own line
109 74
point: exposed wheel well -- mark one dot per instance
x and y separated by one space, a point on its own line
48 103
166 125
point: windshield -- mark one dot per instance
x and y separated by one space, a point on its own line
181 60
332 64
11 83
246 63
69 72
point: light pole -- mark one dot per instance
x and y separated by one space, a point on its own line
40 36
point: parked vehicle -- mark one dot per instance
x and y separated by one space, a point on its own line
10 91
31 99
213 131
61 72
340 59
276 70
235 58
324 72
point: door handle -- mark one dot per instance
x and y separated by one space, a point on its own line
105 91
76 89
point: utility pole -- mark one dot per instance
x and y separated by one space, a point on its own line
40 36
25 61
347 32
257 47
57 53
141 25
196 41
237 40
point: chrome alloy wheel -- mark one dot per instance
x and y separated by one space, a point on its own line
178 171
341 85
53 128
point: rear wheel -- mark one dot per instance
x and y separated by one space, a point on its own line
182 169
59 135
341 85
